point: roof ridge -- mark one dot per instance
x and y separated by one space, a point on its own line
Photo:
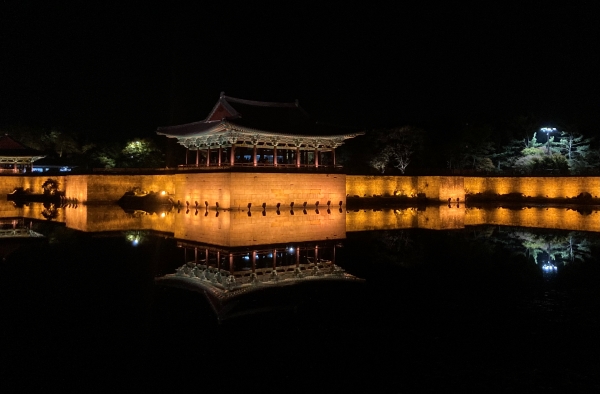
188 124
261 103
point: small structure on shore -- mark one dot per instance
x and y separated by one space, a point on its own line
249 133
16 157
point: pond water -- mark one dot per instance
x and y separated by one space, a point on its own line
95 298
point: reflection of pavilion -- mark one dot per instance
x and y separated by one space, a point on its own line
227 274
254 133
14 233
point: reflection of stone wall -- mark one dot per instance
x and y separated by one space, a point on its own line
236 228
534 186
540 217
433 218
444 218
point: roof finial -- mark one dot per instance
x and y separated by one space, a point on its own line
222 95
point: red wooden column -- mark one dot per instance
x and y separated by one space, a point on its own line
333 156
197 157
274 259
254 261
275 155
186 155
196 255
232 155
206 258
298 156
254 155
316 157
208 156
231 263
220 154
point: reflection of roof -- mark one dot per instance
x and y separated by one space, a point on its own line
221 287
271 117
11 147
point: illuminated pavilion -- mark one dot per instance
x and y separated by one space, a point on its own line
249 133
16 157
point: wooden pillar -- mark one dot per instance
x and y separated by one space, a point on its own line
254 155
275 155
220 153
206 257
274 258
297 156
231 263
208 156
197 157
232 155
316 254
253 260
333 156
316 157
333 256
218 260
186 155
196 255
297 256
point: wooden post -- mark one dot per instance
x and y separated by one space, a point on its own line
333 156
254 155
231 263
208 156
186 155
298 156
197 157
220 153
316 157
196 255
275 155
232 155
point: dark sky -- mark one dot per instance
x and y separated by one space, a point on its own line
124 70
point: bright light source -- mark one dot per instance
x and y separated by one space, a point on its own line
162 215
163 192
291 250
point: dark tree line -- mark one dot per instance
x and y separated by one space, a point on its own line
521 147
84 152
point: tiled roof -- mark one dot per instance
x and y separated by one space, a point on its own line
283 118
11 147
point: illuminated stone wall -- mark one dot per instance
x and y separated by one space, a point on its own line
551 187
236 190
271 189
434 187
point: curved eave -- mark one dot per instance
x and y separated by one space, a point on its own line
251 131
202 128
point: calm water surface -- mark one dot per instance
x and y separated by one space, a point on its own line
443 304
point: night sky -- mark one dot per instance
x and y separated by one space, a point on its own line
117 71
